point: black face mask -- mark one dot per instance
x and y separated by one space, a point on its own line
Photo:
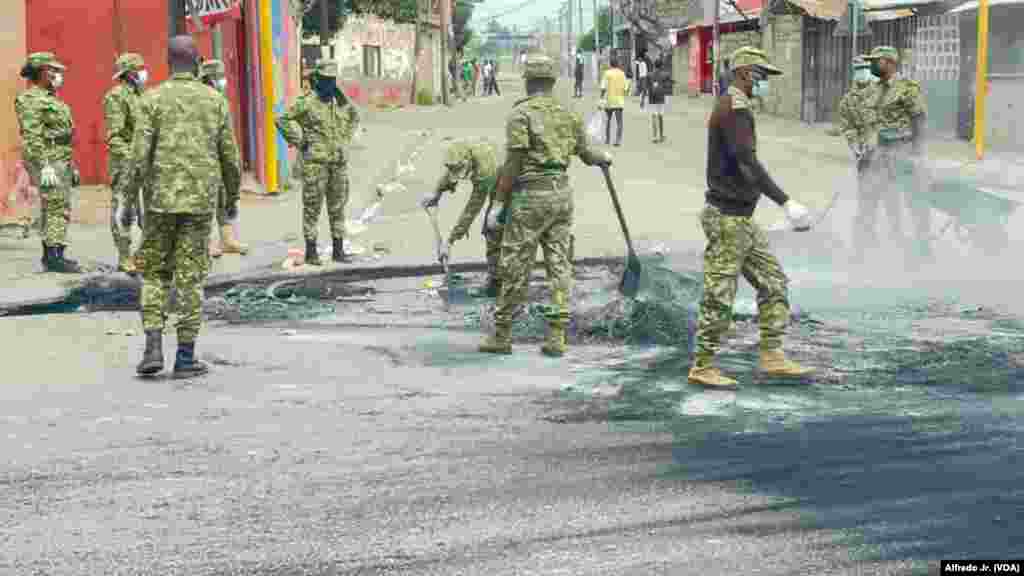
325 87
876 68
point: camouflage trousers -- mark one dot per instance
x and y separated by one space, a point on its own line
735 246
493 240
122 236
55 215
322 182
174 249
536 217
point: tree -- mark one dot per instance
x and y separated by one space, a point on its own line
460 24
646 20
338 11
604 21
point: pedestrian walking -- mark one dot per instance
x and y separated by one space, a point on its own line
641 78
321 126
896 170
46 129
494 78
613 97
120 110
475 160
660 88
476 76
184 149
857 124
212 74
578 73
542 136
735 244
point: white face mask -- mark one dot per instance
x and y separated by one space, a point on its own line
760 88
221 83
143 76
57 79
863 75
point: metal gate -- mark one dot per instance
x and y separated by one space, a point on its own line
827 59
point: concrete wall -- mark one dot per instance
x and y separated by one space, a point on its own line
681 66
396 42
12 56
782 38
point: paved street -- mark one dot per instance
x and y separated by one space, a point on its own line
377 441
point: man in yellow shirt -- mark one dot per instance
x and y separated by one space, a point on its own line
613 95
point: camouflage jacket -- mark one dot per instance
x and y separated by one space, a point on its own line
184 148
896 102
120 107
857 115
46 129
548 135
321 130
475 160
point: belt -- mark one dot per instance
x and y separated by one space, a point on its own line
545 183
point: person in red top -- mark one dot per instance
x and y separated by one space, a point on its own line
735 244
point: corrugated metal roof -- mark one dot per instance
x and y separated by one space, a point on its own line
822 9
968 6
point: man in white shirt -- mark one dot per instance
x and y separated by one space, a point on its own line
641 81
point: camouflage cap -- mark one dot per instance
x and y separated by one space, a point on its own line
128 62
211 69
39 59
327 68
539 65
884 52
750 56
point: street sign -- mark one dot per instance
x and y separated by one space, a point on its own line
210 12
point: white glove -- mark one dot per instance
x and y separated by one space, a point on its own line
121 216
857 149
48 177
492 217
798 215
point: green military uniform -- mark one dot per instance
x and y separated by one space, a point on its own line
46 133
898 103
321 126
212 73
119 112
184 151
735 244
475 160
545 136
857 113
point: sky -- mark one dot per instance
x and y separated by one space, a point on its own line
529 14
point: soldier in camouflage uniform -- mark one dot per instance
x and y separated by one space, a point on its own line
321 126
895 168
119 112
542 136
184 150
475 160
211 73
735 244
46 133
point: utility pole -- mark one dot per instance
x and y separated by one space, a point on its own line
716 58
572 39
597 28
981 80
325 34
416 51
444 52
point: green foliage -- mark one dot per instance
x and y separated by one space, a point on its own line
604 22
460 25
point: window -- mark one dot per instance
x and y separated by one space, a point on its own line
371 61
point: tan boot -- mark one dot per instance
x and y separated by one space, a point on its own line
229 243
215 250
704 373
554 345
500 342
137 263
775 363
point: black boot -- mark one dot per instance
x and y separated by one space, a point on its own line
312 257
45 252
70 266
338 251
185 363
153 357
54 261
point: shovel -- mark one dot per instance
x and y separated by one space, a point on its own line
453 292
630 283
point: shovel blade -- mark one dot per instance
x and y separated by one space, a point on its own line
630 284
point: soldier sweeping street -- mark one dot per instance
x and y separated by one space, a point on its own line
211 73
321 126
735 244
896 169
475 160
46 132
120 108
184 150
542 137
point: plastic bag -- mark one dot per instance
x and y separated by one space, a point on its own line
595 126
